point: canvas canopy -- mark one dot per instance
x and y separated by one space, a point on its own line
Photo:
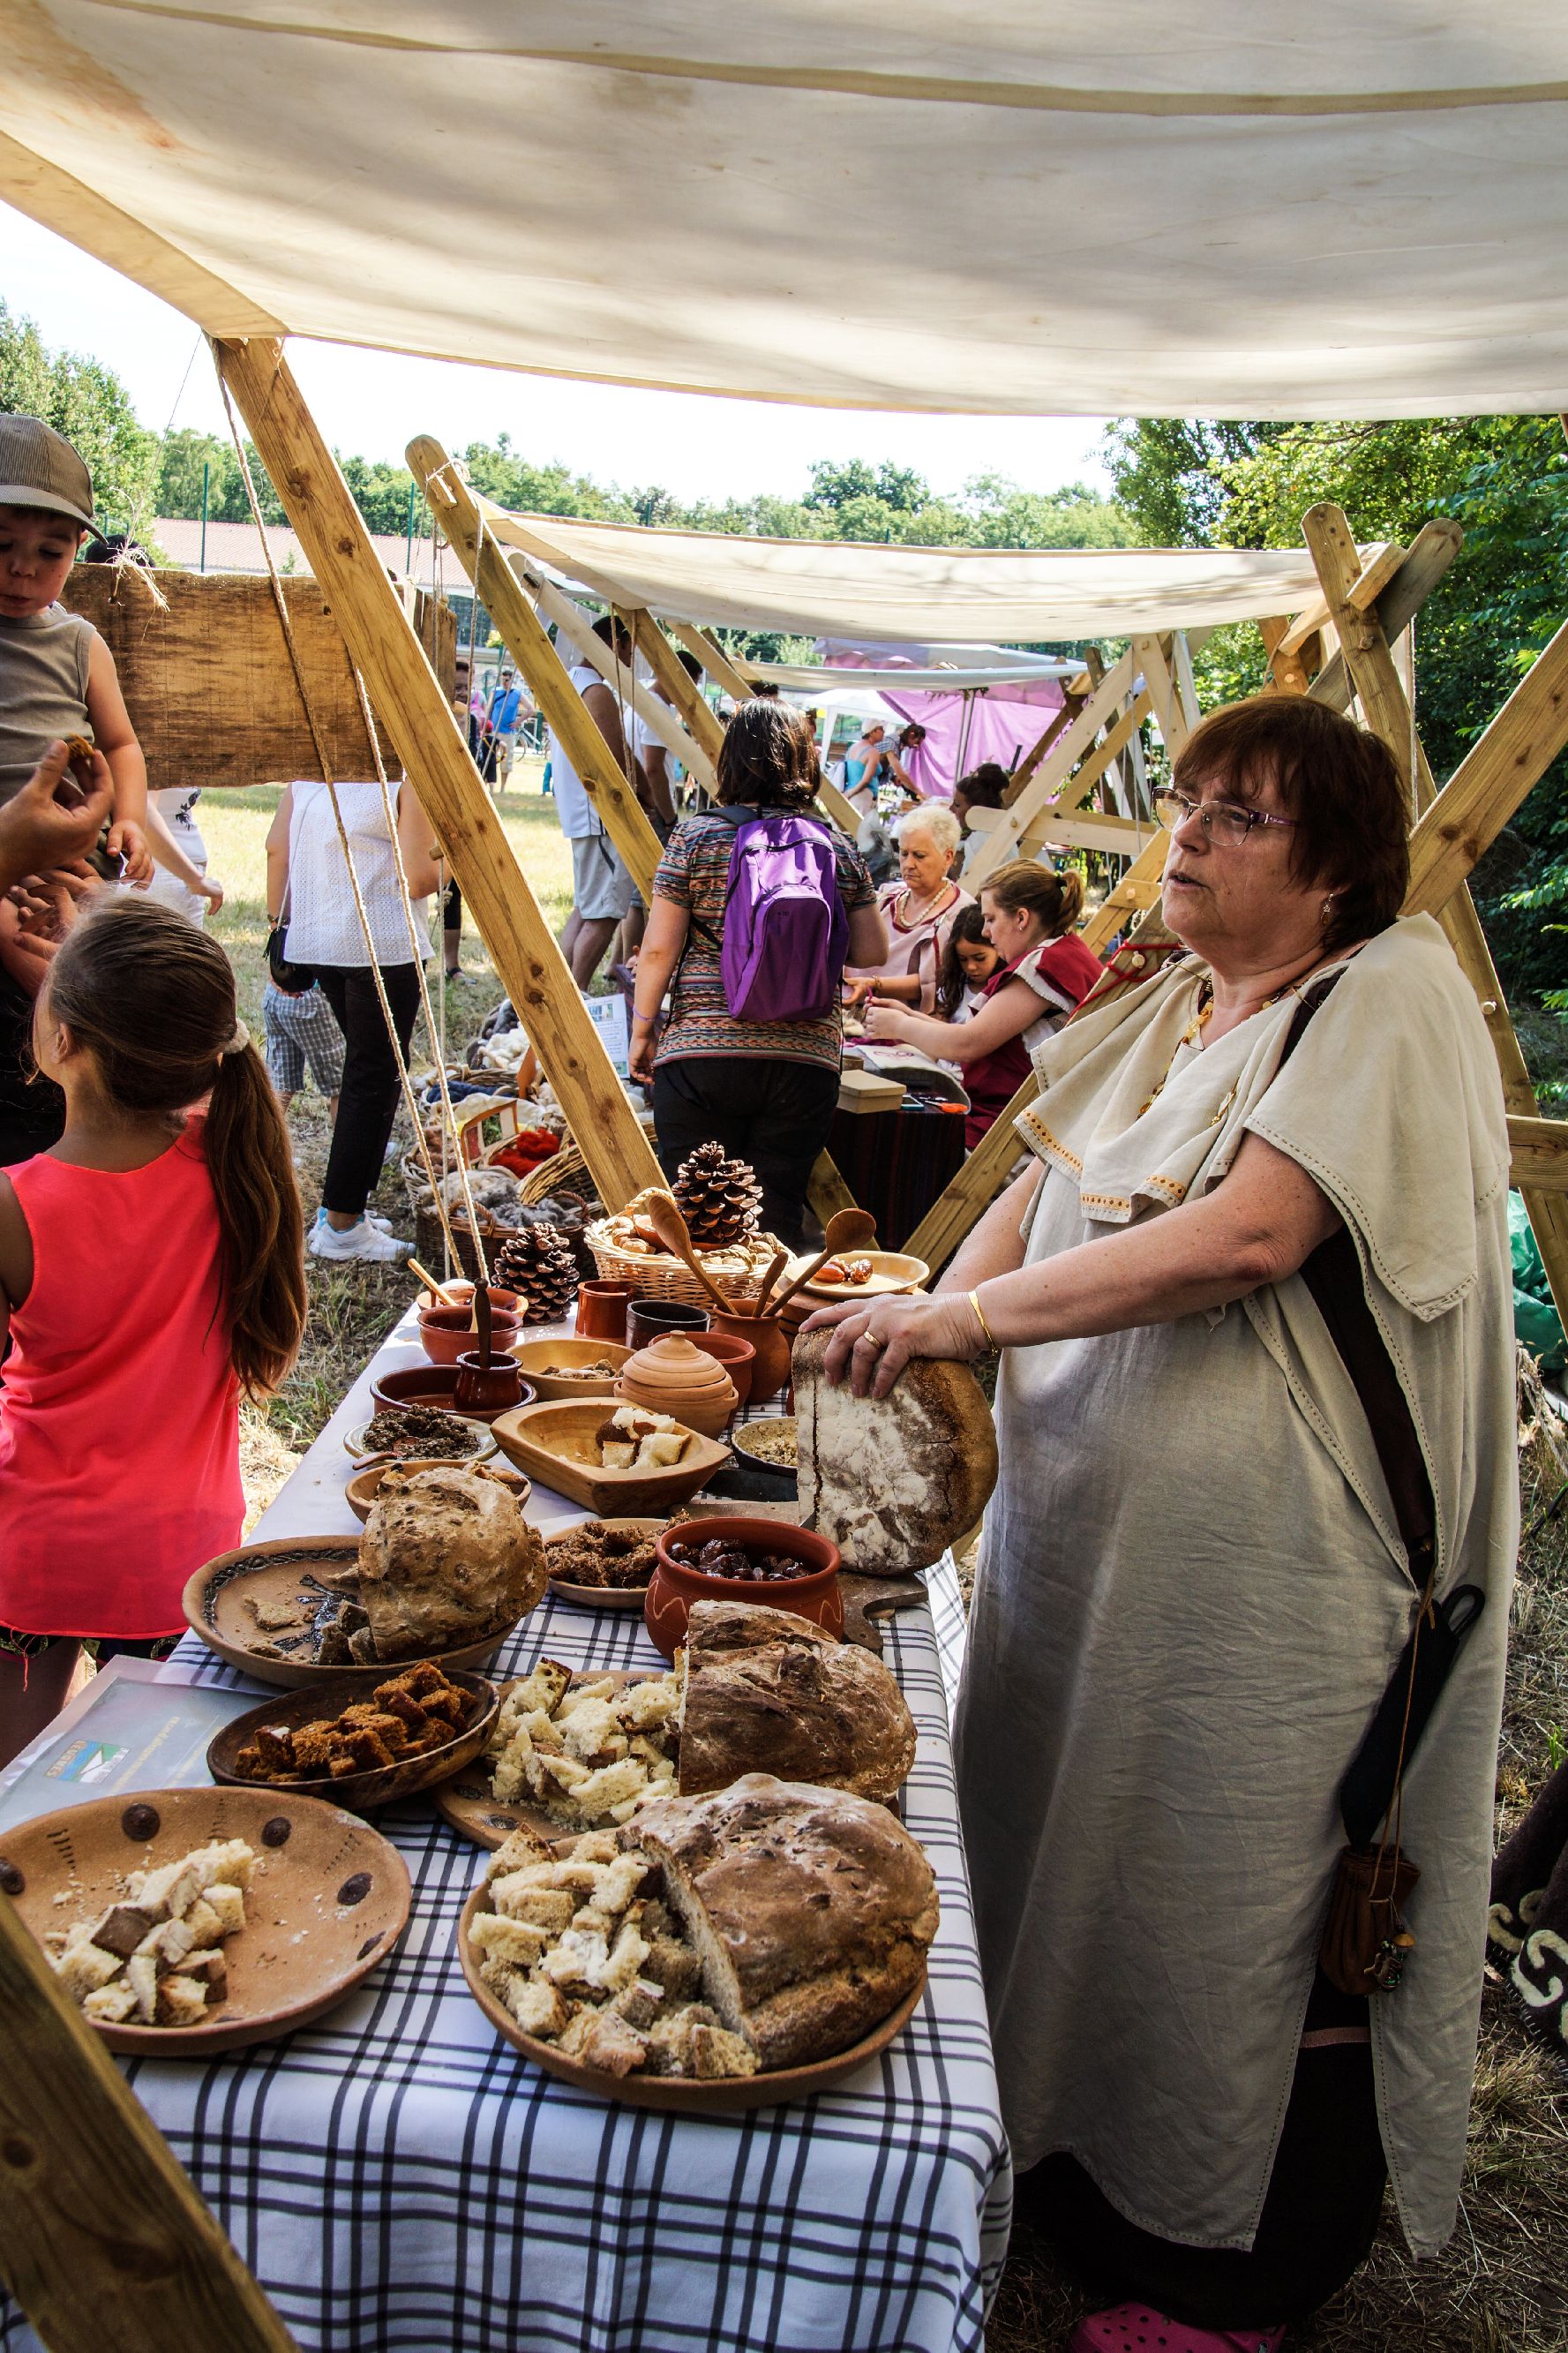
1024 684
1156 207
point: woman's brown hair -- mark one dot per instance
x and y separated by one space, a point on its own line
1340 785
768 758
1055 896
153 1000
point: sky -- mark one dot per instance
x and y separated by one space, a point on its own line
371 404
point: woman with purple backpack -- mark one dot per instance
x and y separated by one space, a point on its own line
758 904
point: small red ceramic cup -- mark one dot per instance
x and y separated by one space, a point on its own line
673 1586
602 1310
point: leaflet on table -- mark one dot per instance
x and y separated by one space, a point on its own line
135 1726
889 1058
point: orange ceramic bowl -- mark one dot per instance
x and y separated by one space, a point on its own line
813 1594
447 1333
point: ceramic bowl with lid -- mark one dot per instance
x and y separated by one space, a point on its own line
671 1376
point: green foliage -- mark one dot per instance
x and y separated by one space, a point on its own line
88 404
1505 480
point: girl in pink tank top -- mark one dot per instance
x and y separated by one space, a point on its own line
151 1274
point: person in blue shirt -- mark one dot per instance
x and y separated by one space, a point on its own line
507 712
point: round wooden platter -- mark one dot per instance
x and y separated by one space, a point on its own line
601 1596
217 1604
358 1793
677 2094
328 1901
466 1802
356 1441
364 1486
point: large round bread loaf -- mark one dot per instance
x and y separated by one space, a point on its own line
444 1558
713 1628
893 1480
792 1702
812 1910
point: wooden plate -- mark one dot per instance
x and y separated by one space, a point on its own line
553 1443
533 1355
357 1442
466 1801
358 1793
215 1602
364 1486
328 1900
891 1270
601 1596
676 2093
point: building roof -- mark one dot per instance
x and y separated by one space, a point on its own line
236 547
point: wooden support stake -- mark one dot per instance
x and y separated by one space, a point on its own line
726 677
1432 550
575 628
701 720
103 2241
1151 656
504 597
1287 671
405 691
1491 781
1002 842
1337 562
1023 775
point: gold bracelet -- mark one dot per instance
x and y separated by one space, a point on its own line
991 1340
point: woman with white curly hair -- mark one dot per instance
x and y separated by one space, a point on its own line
919 909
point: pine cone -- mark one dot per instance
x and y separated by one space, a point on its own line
538 1264
719 1198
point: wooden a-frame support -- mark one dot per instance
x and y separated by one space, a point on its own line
405 691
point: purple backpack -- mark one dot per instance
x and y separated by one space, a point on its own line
786 935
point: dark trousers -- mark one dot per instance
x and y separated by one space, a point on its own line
368 1098
1320 2214
774 1114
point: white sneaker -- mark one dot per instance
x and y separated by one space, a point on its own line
372 1217
363 1240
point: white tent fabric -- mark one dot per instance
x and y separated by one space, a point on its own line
891 594
808 678
1156 207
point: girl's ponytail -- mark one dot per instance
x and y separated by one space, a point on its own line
259 1220
153 998
1052 894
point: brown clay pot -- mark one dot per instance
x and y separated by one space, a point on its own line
674 1588
738 1358
771 1343
448 1333
487 1384
672 1376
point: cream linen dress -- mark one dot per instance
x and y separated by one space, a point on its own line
1193 1593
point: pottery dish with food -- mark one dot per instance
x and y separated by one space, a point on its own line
188 1921
570 1368
356 1748
366 1486
673 1376
883 1271
423 1433
603 1564
562 1446
448 1333
730 1558
434 1388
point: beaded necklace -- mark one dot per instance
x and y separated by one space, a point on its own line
1196 1029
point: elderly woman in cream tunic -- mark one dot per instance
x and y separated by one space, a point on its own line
1194 1590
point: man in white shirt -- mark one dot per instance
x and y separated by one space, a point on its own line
601 886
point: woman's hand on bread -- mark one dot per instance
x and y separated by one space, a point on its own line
874 1339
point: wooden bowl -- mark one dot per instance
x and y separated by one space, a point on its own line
601 1596
770 1372
446 1333
553 1444
534 1355
328 1902
675 1588
215 1602
434 1385
464 1801
360 1793
677 2094
891 1270
363 1488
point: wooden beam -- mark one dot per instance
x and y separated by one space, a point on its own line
1288 671
1432 550
1540 1149
103 2241
974 1188
576 627
1001 843
1491 781
701 720
1379 688
713 658
524 634
404 690
1060 720
1149 655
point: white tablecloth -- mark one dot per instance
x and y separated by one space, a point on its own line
397 2177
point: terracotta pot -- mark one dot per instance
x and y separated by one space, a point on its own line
504 1303
649 1319
671 1377
738 1358
771 1343
487 1384
434 1385
674 1588
602 1309
447 1333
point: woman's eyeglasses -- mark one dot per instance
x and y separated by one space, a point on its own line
1226 822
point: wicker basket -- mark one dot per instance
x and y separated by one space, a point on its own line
738 1271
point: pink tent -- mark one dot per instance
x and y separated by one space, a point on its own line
990 723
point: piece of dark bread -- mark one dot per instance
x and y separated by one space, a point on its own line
714 1627
811 1910
792 1702
893 1480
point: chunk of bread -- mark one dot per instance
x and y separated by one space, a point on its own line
893 1480
519 1942
797 1704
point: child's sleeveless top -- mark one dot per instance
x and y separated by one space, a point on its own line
118 1408
42 689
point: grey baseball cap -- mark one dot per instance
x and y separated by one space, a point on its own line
39 468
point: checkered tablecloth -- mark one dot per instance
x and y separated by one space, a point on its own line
398 2178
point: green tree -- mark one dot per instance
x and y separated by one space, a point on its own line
88 404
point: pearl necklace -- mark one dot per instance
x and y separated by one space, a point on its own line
903 903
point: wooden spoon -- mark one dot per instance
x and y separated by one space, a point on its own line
663 1213
779 1260
846 1229
436 1290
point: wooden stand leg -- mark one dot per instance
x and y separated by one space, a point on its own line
103 2242
404 690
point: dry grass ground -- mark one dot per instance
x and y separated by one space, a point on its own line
1504 2281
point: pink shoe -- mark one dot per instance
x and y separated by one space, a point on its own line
1133 2328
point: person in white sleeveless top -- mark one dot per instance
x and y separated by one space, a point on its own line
309 887
600 887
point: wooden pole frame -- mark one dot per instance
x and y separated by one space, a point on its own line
405 691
